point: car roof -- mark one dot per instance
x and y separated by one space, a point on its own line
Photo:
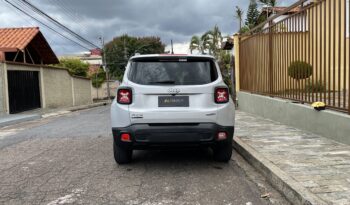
171 56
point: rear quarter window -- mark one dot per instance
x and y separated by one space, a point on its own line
152 71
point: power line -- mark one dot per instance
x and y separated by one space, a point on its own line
40 12
70 13
52 29
49 39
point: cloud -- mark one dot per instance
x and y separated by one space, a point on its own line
172 19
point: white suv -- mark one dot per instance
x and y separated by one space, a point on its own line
172 100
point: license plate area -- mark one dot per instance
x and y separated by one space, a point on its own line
173 101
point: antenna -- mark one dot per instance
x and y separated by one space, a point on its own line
172 47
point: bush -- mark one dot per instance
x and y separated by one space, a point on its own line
74 66
98 78
300 70
318 86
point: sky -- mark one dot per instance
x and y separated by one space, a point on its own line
178 20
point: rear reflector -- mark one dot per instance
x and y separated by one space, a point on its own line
125 137
222 136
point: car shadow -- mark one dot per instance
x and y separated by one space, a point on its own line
195 156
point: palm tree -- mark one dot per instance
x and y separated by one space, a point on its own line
239 16
213 39
196 44
206 43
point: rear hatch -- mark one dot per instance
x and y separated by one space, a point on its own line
173 90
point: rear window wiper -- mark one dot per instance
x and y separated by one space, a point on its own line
163 82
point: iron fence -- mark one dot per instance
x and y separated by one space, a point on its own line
300 54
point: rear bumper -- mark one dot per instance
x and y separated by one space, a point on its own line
146 136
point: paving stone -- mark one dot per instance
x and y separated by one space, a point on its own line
319 164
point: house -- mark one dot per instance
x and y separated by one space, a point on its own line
93 58
271 11
25 45
28 82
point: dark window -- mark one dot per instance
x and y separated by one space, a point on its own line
173 71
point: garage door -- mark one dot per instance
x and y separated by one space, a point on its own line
23 89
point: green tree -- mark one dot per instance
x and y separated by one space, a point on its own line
213 39
272 3
252 14
121 48
239 16
98 78
224 61
244 29
196 44
201 44
75 66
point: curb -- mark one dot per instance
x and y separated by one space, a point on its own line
16 121
52 114
84 107
286 185
74 109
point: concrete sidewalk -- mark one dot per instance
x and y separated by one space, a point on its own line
306 168
6 120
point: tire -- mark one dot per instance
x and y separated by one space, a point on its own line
122 155
223 152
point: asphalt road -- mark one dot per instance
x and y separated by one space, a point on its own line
68 160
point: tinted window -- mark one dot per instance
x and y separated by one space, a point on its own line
173 72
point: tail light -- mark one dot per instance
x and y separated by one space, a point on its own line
125 137
124 96
221 95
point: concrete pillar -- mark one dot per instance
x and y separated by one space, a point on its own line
2 90
236 41
42 88
73 93
6 91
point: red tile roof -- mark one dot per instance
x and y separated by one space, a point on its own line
14 39
96 52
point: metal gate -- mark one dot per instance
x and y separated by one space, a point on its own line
23 89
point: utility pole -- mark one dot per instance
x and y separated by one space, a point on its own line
172 47
105 67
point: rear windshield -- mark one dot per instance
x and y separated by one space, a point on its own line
172 71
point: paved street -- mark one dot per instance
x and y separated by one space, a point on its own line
68 160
